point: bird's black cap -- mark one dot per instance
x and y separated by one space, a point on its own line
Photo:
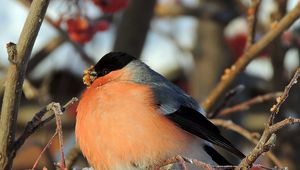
112 61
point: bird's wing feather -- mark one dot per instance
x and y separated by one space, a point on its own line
197 124
215 155
167 95
179 106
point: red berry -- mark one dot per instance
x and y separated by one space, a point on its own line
79 30
77 24
111 6
81 38
101 26
237 44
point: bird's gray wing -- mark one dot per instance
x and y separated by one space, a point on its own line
181 108
184 111
168 96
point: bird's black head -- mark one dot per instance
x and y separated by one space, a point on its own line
111 62
108 63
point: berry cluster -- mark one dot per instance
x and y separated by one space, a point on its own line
81 28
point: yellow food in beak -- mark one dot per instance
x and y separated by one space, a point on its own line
89 75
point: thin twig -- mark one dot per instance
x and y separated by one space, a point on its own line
247 104
44 52
15 78
227 99
279 100
44 149
279 125
182 160
228 124
249 55
252 20
251 136
84 56
29 90
58 112
268 138
36 123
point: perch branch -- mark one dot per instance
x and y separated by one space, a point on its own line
183 160
56 109
36 123
15 78
253 137
248 55
268 137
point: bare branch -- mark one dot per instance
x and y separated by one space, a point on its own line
268 137
15 78
29 90
275 108
247 104
252 20
248 55
36 123
84 56
277 126
227 99
251 136
44 149
228 124
183 160
39 56
56 109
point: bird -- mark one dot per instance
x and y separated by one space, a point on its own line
131 117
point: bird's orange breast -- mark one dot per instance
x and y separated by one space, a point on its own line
118 126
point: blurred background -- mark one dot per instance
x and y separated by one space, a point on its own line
191 42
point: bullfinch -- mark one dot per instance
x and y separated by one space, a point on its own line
131 117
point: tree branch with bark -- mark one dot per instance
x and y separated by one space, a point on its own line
18 56
250 53
268 138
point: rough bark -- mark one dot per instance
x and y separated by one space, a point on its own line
19 57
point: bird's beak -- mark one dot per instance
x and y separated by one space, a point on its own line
89 75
